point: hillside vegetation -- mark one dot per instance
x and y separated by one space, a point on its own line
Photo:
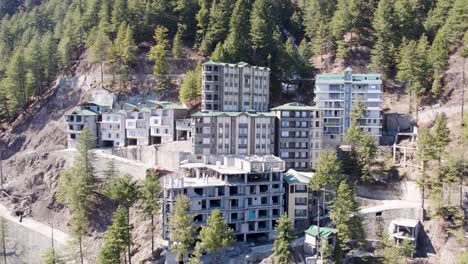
409 40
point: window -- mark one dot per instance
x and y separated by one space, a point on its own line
285 134
206 141
300 201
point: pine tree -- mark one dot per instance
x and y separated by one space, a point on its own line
344 20
218 54
437 16
281 248
440 136
236 45
218 25
86 158
157 54
317 11
424 152
50 257
4 237
382 58
34 60
51 63
190 89
151 196
261 31
79 228
182 231
328 172
177 49
345 216
123 52
119 14
115 239
99 46
203 19
186 11
15 81
216 235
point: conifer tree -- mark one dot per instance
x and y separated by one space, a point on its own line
345 216
182 231
15 81
317 11
281 245
34 60
437 16
203 19
186 12
4 237
382 58
157 54
99 46
424 152
344 20
125 191
190 89
440 135
219 54
49 50
115 239
218 25
122 52
119 14
177 49
216 235
236 45
50 257
328 172
151 196
261 31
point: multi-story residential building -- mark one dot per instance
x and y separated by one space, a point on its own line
247 189
301 202
112 129
235 87
137 124
162 120
237 133
183 129
336 94
79 119
299 131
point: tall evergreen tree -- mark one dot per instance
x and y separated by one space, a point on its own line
328 172
157 54
177 49
425 152
382 58
190 89
236 45
119 14
15 81
203 19
218 25
182 231
345 216
115 239
216 235
219 54
261 29
151 195
281 245
440 135
99 46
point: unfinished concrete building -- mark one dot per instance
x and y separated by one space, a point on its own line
336 95
234 87
236 133
137 125
79 119
183 129
298 135
247 189
112 129
162 120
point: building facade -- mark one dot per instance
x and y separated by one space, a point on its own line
236 133
336 94
137 126
247 189
112 129
162 120
299 131
79 119
234 87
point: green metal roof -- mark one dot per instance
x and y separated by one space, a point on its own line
292 176
83 112
294 107
324 231
217 113
167 105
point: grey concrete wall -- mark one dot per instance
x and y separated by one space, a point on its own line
405 190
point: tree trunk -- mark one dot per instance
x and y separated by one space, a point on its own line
3 241
152 235
128 236
102 75
81 250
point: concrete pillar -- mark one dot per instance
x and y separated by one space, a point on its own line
404 157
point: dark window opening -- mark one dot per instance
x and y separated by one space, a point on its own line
264 200
215 204
263 188
275 199
198 191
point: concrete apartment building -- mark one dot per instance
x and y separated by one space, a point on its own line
79 119
112 129
247 189
234 87
162 120
299 131
137 126
301 203
335 94
236 133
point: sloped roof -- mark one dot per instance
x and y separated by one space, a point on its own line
324 231
294 107
167 105
83 112
218 113
293 176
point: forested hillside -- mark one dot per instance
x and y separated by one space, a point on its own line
409 40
